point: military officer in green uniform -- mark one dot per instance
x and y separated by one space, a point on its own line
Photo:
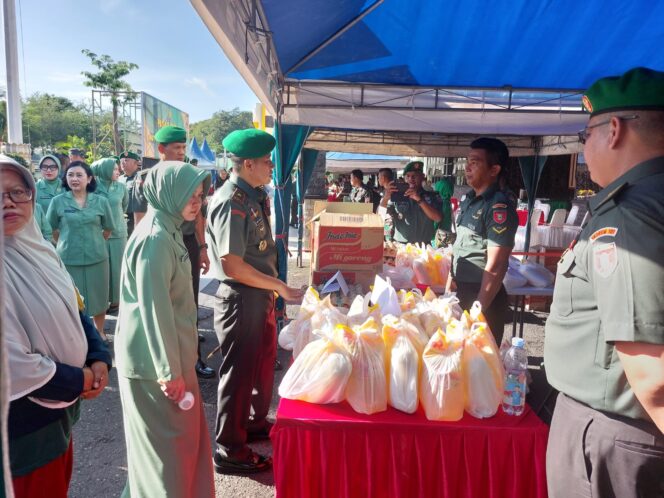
604 340
245 262
415 212
130 165
486 227
168 447
172 146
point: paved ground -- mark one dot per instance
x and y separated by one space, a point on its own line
100 465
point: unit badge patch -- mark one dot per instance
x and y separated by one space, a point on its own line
602 232
500 216
605 259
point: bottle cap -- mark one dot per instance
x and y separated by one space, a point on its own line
518 342
187 402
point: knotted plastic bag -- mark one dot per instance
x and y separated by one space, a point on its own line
403 346
290 334
441 385
366 391
319 374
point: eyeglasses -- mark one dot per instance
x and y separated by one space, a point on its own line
48 167
583 134
18 195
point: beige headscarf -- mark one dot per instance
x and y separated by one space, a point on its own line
41 311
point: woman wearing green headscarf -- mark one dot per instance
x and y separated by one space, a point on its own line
107 172
168 447
50 184
444 229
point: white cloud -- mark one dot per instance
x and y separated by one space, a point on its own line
62 77
199 83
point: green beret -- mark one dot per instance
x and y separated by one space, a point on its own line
249 144
171 134
127 154
416 166
638 88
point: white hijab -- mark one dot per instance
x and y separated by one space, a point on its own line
43 325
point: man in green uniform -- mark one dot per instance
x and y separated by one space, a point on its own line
414 212
172 147
245 262
604 341
130 164
486 227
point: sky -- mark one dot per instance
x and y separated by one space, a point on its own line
179 60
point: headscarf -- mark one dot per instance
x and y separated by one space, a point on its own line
169 186
103 171
42 321
56 182
445 190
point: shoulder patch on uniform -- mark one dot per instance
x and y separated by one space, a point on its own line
602 232
500 216
239 195
499 230
499 205
605 259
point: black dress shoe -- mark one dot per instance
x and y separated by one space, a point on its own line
250 464
203 371
201 338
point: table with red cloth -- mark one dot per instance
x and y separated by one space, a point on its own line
523 217
332 451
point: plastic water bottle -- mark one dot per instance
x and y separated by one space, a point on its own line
516 367
187 402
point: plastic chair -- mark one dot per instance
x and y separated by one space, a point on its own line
544 208
535 217
558 217
571 217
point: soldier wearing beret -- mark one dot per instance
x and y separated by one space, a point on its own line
604 341
245 262
172 146
414 213
130 164
486 227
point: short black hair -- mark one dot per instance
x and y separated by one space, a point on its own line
357 173
387 172
496 152
90 187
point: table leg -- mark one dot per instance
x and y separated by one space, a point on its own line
515 315
523 309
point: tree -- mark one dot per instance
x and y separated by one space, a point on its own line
48 119
219 125
109 79
3 121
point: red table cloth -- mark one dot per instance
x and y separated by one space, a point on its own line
332 451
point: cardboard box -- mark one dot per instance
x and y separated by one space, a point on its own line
348 241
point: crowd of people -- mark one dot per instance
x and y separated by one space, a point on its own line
70 255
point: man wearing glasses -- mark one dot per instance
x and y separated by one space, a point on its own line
604 341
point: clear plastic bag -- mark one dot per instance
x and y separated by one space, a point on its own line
366 391
319 374
404 344
441 385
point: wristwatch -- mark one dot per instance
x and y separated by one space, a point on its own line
202 246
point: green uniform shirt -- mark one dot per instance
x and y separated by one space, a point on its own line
485 220
118 199
42 222
237 224
157 336
138 202
46 190
609 288
411 224
81 241
129 183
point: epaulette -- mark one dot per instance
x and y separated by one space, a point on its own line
239 196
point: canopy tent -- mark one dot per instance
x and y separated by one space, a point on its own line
425 77
194 152
207 152
343 162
